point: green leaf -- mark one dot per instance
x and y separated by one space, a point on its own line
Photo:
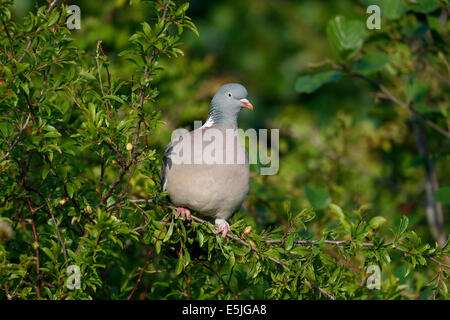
191 26
339 214
52 134
443 195
45 172
92 111
415 89
53 18
425 108
159 26
402 226
70 189
135 37
49 253
87 75
310 83
147 29
371 62
182 9
169 232
290 241
113 97
424 6
180 265
232 259
318 198
301 251
25 88
158 247
48 292
345 36
126 52
377 222
272 253
434 23
200 238
111 200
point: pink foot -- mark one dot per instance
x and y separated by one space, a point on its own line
222 226
185 213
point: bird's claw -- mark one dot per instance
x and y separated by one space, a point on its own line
184 212
224 227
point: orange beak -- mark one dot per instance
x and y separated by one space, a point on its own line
246 103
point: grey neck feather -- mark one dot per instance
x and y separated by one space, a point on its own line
220 116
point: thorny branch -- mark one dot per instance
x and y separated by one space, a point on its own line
134 151
336 243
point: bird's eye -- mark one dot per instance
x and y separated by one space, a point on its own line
229 94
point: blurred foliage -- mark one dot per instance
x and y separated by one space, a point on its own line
85 115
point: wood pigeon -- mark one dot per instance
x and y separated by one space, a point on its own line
207 169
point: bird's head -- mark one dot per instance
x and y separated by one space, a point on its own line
227 102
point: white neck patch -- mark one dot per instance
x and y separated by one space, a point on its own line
209 122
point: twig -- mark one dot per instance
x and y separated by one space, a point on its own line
339 243
430 123
433 209
59 236
148 259
13 145
331 297
106 68
135 153
438 283
188 290
434 212
102 173
36 247
194 218
30 39
401 103
122 172
100 77
11 42
437 73
272 241
226 286
117 151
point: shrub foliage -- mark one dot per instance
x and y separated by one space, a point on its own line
79 183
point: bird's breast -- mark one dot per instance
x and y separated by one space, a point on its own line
213 181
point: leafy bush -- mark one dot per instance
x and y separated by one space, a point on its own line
80 187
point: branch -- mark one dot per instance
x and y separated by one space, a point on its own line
100 76
434 212
194 218
30 40
399 102
135 153
199 220
331 297
433 209
148 259
13 145
36 247
63 246
337 243
227 286
11 42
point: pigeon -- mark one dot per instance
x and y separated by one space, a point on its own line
213 184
